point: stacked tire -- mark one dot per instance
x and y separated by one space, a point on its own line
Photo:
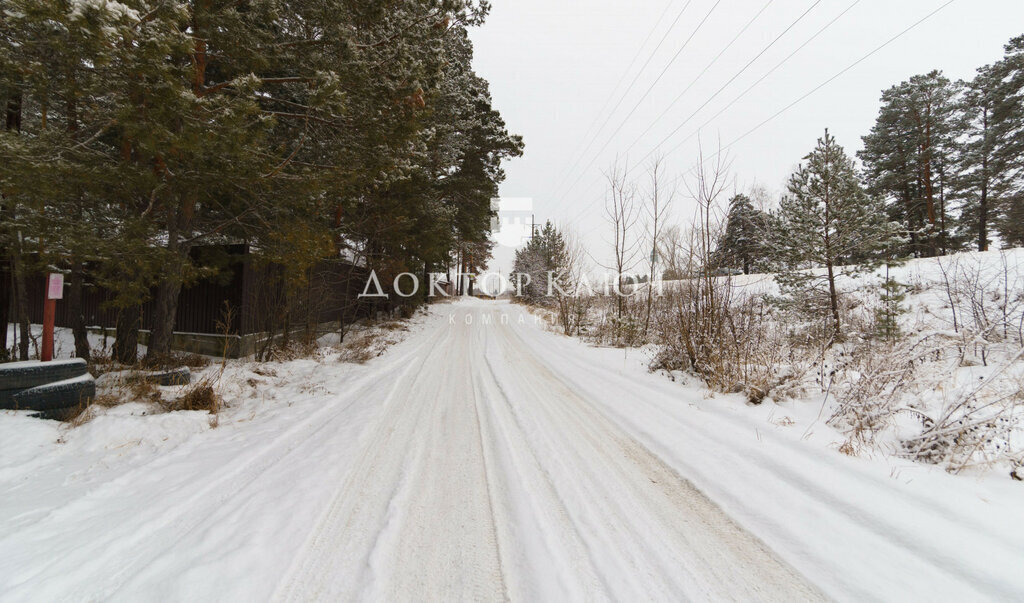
57 389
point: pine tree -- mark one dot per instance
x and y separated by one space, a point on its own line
541 265
62 62
745 243
1008 124
908 158
138 130
887 325
978 164
1011 221
827 221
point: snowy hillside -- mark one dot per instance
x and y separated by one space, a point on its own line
931 368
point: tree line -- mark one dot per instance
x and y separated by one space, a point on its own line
945 159
942 171
135 131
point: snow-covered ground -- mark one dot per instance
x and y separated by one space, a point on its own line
484 457
946 386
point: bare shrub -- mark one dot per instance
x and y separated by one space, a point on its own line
572 302
692 327
659 198
736 345
623 215
616 321
200 396
975 426
986 303
757 356
360 348
702 325
573 314
869 382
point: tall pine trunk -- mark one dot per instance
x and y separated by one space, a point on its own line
21 296
983 203
165 304
126 343
5 302
12 121
74 301
833 296
165 312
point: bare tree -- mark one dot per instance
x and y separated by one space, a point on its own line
673 251
706 185
572 300
623 214
702 309
659 198
762 198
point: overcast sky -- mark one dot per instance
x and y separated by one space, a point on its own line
554 64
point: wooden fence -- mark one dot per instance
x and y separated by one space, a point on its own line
253 292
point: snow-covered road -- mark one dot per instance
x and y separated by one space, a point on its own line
488 478
482 458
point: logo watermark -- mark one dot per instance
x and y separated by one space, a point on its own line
512 222
550 284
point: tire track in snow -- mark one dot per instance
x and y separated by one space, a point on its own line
481 476
662 527
541 546
326 549
97 572
449 546
487 478
418 522
897 545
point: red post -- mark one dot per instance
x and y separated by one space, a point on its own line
49 313
54 291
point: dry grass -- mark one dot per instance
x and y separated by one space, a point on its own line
144 391
79 416
175 360
108 400
293 350
200 396
121 392
371 340
360 348
127 389
394 325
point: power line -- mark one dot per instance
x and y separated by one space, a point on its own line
625 94
829 80
713 96
642 98
725 85
764 77
622 78
809 93
703 71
